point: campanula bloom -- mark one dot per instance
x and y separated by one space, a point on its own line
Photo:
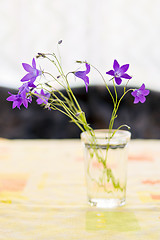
19 99
24 88
119 72
42 97
140 94
83 75
32 74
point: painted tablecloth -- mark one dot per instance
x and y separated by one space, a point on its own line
43 193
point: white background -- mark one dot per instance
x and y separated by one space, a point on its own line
94 30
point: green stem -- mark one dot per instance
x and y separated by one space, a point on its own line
104 83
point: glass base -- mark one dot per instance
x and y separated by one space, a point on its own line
106 203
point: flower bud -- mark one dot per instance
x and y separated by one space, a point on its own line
60 41
40 55
78 114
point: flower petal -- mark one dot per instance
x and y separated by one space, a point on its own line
27 77
146 92
86 80
38 72
27 67
115 65
15 104
31 83
87 68
142 99
25 103
118 80
42 92
126 76
48 95
134 93
142 87
42 97
24 88
86 88
124 68
80 74
39 101
136 100
11 98
34 63
111 72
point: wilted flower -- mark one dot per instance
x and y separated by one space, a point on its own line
140 94
119 72
83 75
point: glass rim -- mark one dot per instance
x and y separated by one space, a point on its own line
103 135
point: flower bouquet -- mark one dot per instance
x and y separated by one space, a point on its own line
105 151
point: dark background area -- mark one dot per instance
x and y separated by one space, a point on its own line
39 123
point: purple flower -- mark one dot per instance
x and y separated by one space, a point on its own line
119 72
42 97
140 94
83 75
32 74
19 99
24 88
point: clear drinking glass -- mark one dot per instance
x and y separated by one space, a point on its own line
105 155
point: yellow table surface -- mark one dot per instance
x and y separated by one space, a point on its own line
43 193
